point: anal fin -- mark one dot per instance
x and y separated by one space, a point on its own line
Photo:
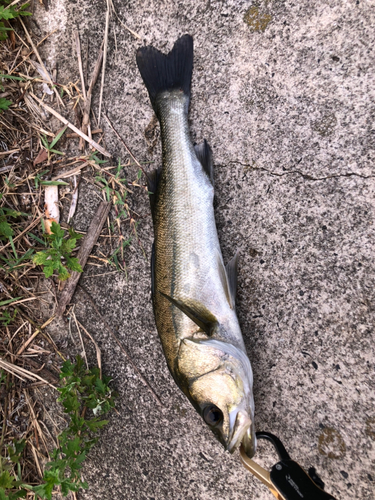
153 269
152 179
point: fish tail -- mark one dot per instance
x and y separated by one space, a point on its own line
165 72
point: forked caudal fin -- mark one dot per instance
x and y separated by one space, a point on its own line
161 72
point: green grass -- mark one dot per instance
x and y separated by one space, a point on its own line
6 231
50 149
86 397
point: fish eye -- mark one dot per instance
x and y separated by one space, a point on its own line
212 415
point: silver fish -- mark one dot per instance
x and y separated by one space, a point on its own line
193 292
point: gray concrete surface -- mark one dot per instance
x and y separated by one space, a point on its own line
283 92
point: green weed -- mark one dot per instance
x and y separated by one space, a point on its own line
6 231
59 248
6 318
9 12
86 397
49 147
17 263
4 104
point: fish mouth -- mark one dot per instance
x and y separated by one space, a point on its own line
243 432
249 441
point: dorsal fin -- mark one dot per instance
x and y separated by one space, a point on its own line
232 278
204 155
196 311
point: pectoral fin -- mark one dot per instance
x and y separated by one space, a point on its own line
196 311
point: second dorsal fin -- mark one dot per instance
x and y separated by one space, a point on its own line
231 269
204 155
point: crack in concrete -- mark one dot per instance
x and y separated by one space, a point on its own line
305 176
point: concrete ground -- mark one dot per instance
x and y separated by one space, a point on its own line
284 93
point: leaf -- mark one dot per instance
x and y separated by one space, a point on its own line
40 258
68 246
42 156
5 229
4 103
11 77
95 425
75 235
71 403
34 237
51 479
7 13
73 264
9 301
73 446
66 487
100 386
6 480
17 494
53 183
67 369
16 450
56 229
57 152
63 273
44 141
58 137
48 271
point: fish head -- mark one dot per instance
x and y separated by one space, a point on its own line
218 381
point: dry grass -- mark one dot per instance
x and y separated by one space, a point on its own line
29 357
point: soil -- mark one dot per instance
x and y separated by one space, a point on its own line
283 92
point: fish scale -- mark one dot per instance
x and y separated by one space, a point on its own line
184 199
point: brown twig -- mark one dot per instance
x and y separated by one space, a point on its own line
71 126
21 372
98 353
31 51
34 223
80 337
80 67
104 57
135 368
124 25
126 146
83 254
32 337
41 62
86 129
